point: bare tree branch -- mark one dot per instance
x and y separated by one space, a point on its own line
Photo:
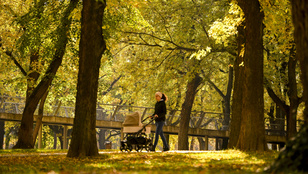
111 85
9 53
176 46
217 89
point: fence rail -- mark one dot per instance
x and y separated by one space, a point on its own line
113 112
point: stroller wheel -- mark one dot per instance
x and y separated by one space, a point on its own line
149 147
130 148
139 148
122 148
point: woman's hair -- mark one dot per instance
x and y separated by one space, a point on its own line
164 97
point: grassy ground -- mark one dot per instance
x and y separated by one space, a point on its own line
55 161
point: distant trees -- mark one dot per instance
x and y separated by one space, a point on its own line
295 155
281 68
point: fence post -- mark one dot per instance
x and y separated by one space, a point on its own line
66 113
122 134
143 114
114 113
16 108
65 137
206 143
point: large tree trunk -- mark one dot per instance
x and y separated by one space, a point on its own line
300 20
186 110
237 98
91 48
252 131
25 134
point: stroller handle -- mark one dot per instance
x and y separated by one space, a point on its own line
153 118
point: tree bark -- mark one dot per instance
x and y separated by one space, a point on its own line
237 98
201 143
39 118
226 99
186 110
7 140
252 131
1 134
91 48
294 99
300 20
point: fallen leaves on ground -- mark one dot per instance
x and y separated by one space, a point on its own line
229 161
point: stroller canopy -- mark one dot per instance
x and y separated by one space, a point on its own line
132 119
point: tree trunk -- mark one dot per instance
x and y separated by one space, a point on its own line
226 104
237 91
1 134
91 48
186 110
55 140
227 107
7 140
292 93
227 98
201 143
300 20
192 143
102 138
252 131
26 128
25 134
39 119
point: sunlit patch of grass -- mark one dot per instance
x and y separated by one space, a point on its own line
31 151
228 161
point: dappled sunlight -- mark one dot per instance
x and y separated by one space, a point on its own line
227 161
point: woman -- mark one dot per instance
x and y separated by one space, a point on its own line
160 117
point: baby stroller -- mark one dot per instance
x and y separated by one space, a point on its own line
136 134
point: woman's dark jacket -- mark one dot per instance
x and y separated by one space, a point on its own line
160 110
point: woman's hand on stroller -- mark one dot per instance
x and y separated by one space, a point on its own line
153 117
